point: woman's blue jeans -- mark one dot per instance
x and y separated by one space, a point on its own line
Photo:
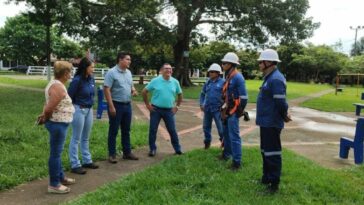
57 135
81 129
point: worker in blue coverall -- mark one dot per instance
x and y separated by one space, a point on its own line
272 112
235 99
210 103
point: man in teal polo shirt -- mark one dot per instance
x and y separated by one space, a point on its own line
163 105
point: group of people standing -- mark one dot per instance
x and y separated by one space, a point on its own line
74 106
64 107
221 100
224 100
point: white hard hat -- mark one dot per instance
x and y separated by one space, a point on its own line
214 67
231 58
269 55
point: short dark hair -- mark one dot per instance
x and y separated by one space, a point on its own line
82 66
121 55
164 64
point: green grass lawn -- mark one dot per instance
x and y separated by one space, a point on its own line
199 178
24 147
342 102
24 82
294 90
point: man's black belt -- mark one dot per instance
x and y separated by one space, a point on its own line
162 108
85 106
121 103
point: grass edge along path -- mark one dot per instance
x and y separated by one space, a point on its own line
342 102
199 178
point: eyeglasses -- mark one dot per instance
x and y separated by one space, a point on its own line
260 62
224 63
214 72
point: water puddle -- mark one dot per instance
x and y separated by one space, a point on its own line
318 121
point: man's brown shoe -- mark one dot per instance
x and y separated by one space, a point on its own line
112 159
130 156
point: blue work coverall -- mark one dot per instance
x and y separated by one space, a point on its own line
232 140
271 111
211 101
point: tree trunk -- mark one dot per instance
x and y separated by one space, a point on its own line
48 24
181 62
182 45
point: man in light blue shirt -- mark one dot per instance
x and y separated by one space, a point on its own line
118 89
164 90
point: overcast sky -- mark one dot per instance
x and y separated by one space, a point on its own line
335 16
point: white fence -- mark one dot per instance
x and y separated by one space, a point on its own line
99 73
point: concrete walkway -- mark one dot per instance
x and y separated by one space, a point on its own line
312 134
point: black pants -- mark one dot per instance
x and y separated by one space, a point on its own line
270 145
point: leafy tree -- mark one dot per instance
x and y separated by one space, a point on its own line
248 63
318 63
359 49
22 40
64 48
119 23
355 65
63 13
202 56
286 52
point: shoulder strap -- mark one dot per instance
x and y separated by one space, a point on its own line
224 91
231 74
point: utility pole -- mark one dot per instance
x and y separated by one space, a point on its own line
356 34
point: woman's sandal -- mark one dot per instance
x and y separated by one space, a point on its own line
61 189
68 181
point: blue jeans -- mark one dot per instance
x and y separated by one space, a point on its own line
122 119
168 117
81 128
232 140
207 123
57 136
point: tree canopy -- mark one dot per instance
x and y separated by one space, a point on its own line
23 40
358 48
122 24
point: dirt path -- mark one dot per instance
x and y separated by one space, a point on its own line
297 101
312 134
